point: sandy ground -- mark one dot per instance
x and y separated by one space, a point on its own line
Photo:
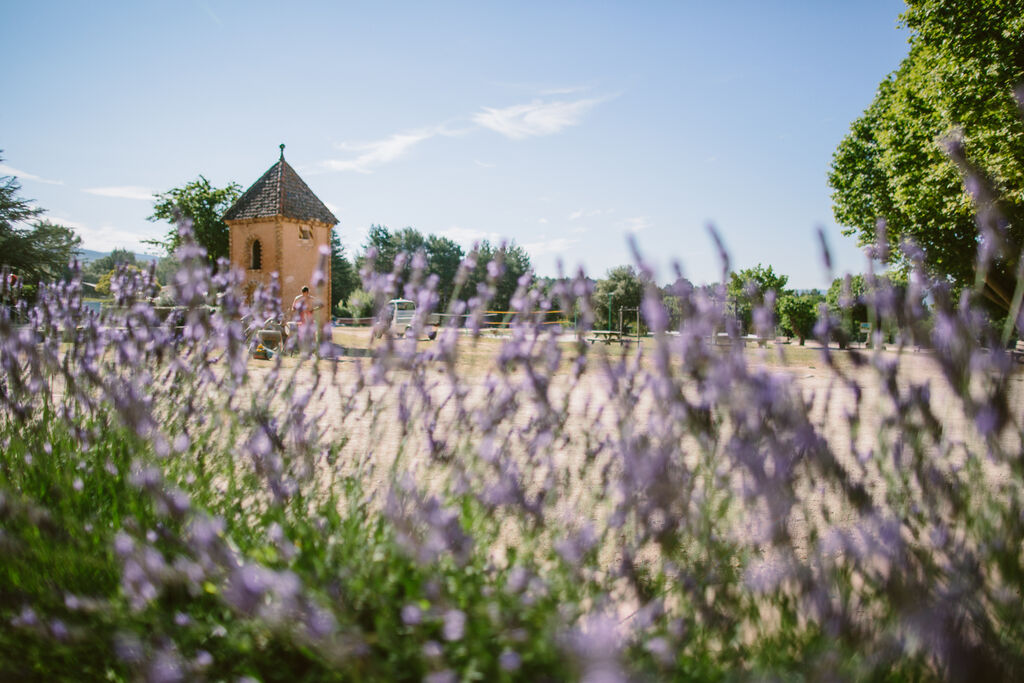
384 424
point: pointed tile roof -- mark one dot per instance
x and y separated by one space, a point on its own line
280 192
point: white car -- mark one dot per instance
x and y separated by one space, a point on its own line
396 318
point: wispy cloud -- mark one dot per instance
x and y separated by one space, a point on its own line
373 154
22 175
637 223
542 220
123 192
584 213
107 237
540 117
536 118
556 245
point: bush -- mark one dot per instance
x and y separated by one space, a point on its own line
361 303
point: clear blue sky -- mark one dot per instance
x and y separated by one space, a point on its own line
566 126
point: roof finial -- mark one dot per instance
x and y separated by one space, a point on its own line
282 151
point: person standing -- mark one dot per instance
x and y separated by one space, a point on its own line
303 307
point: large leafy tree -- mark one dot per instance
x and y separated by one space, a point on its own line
443 256
747 289
38 252
954 90
443 259
622 287
205 205
513 263
798 313
847 299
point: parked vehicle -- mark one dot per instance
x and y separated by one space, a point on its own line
398 316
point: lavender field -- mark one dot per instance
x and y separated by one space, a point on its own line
514 508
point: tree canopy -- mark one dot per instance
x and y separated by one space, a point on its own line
798 313
38 252
443 258
954 90
205 205
747 288
622 287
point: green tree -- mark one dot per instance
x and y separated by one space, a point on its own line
381 240
513 263
97 268
847 300
126 269
677 298
389 245
344 279
622 287
39 252
747 288
957 82
13 209
443 256
443 259
798 313
205 205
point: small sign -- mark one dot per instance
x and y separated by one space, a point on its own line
865 327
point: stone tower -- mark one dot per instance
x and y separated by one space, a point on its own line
279 225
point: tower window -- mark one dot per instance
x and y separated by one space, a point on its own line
305 233
256 262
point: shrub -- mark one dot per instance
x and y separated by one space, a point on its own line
361 303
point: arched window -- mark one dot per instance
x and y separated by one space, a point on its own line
257 256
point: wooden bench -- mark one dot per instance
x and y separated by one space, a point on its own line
723 339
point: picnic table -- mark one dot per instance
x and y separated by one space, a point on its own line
607 336
1017 353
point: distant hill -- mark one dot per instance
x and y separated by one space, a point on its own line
91 255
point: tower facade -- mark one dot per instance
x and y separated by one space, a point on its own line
279 226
